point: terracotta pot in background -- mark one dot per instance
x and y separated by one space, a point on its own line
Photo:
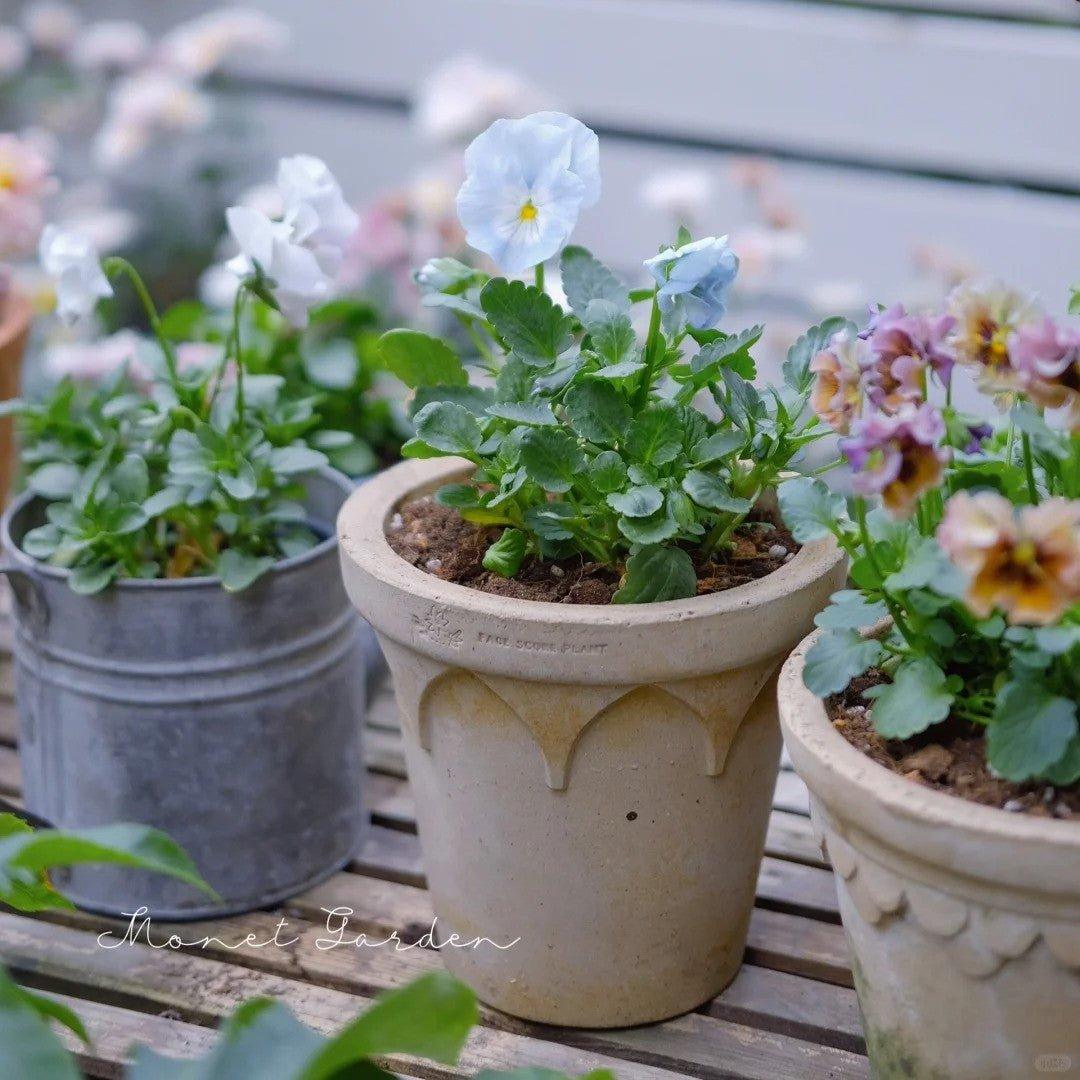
15 318
592 780
963 920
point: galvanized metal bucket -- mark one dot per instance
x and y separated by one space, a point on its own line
230 721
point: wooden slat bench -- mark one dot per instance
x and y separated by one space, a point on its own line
791 1013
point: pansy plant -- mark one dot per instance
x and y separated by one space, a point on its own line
203 475
644 453
964 537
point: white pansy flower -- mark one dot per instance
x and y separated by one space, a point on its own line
74 264
112 44
683 195
465 95
51 25
14 51
108 229
162 100
296 278
321 218
199 47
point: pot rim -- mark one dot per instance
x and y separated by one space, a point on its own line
56 573
16 314
362 532
994 845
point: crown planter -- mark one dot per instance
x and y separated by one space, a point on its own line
964 920
229 720
593 783
15 318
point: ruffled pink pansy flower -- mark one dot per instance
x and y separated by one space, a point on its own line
986 315
897 456
839 375
1046 359
1024 564
906 347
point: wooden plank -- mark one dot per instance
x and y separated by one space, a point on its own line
1055 11
711 1040
791 794
114 1031
814 79
798 1006
791 836
801 946
205 989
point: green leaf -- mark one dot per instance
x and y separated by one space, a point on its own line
56 480
552 458
448 427
655 529
42 542
474 398
638 502
610 331
926 566
597 412
732 351
1066 770
528 320
809 509
655 435
796 367
917 697
585 279
429 1018
92 578
717 447
710 491
421 360
333 365
136 846
850 609
837 657
1074 300
163 500
657 573
28 1048
505 556
607 472
618 371
1031 730
531 413
238 570
131 478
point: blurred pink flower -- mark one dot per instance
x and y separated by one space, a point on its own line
93 361
51 25
14 51
200 46
25 181
1046 358
906 347
111 45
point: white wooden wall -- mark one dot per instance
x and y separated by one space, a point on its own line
895 122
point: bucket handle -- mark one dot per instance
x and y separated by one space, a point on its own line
28 592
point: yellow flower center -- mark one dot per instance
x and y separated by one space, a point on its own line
7 178
528 212
1025 553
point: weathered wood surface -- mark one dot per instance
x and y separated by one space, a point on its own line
789 1013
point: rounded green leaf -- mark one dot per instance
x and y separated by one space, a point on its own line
657 573
419 359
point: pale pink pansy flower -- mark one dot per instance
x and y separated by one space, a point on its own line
1025 564
839 376
110 45
199 47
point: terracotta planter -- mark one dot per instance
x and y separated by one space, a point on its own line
15 318
963 920
594 781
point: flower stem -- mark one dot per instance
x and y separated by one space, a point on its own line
115 265
540 276
1029 467
652 341
894 609
235 344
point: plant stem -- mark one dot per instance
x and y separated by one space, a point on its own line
116 265
651 343
235 340
1029 467
540 276
868 543
719 534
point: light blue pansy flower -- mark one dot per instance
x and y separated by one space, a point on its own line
526 182
694 281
